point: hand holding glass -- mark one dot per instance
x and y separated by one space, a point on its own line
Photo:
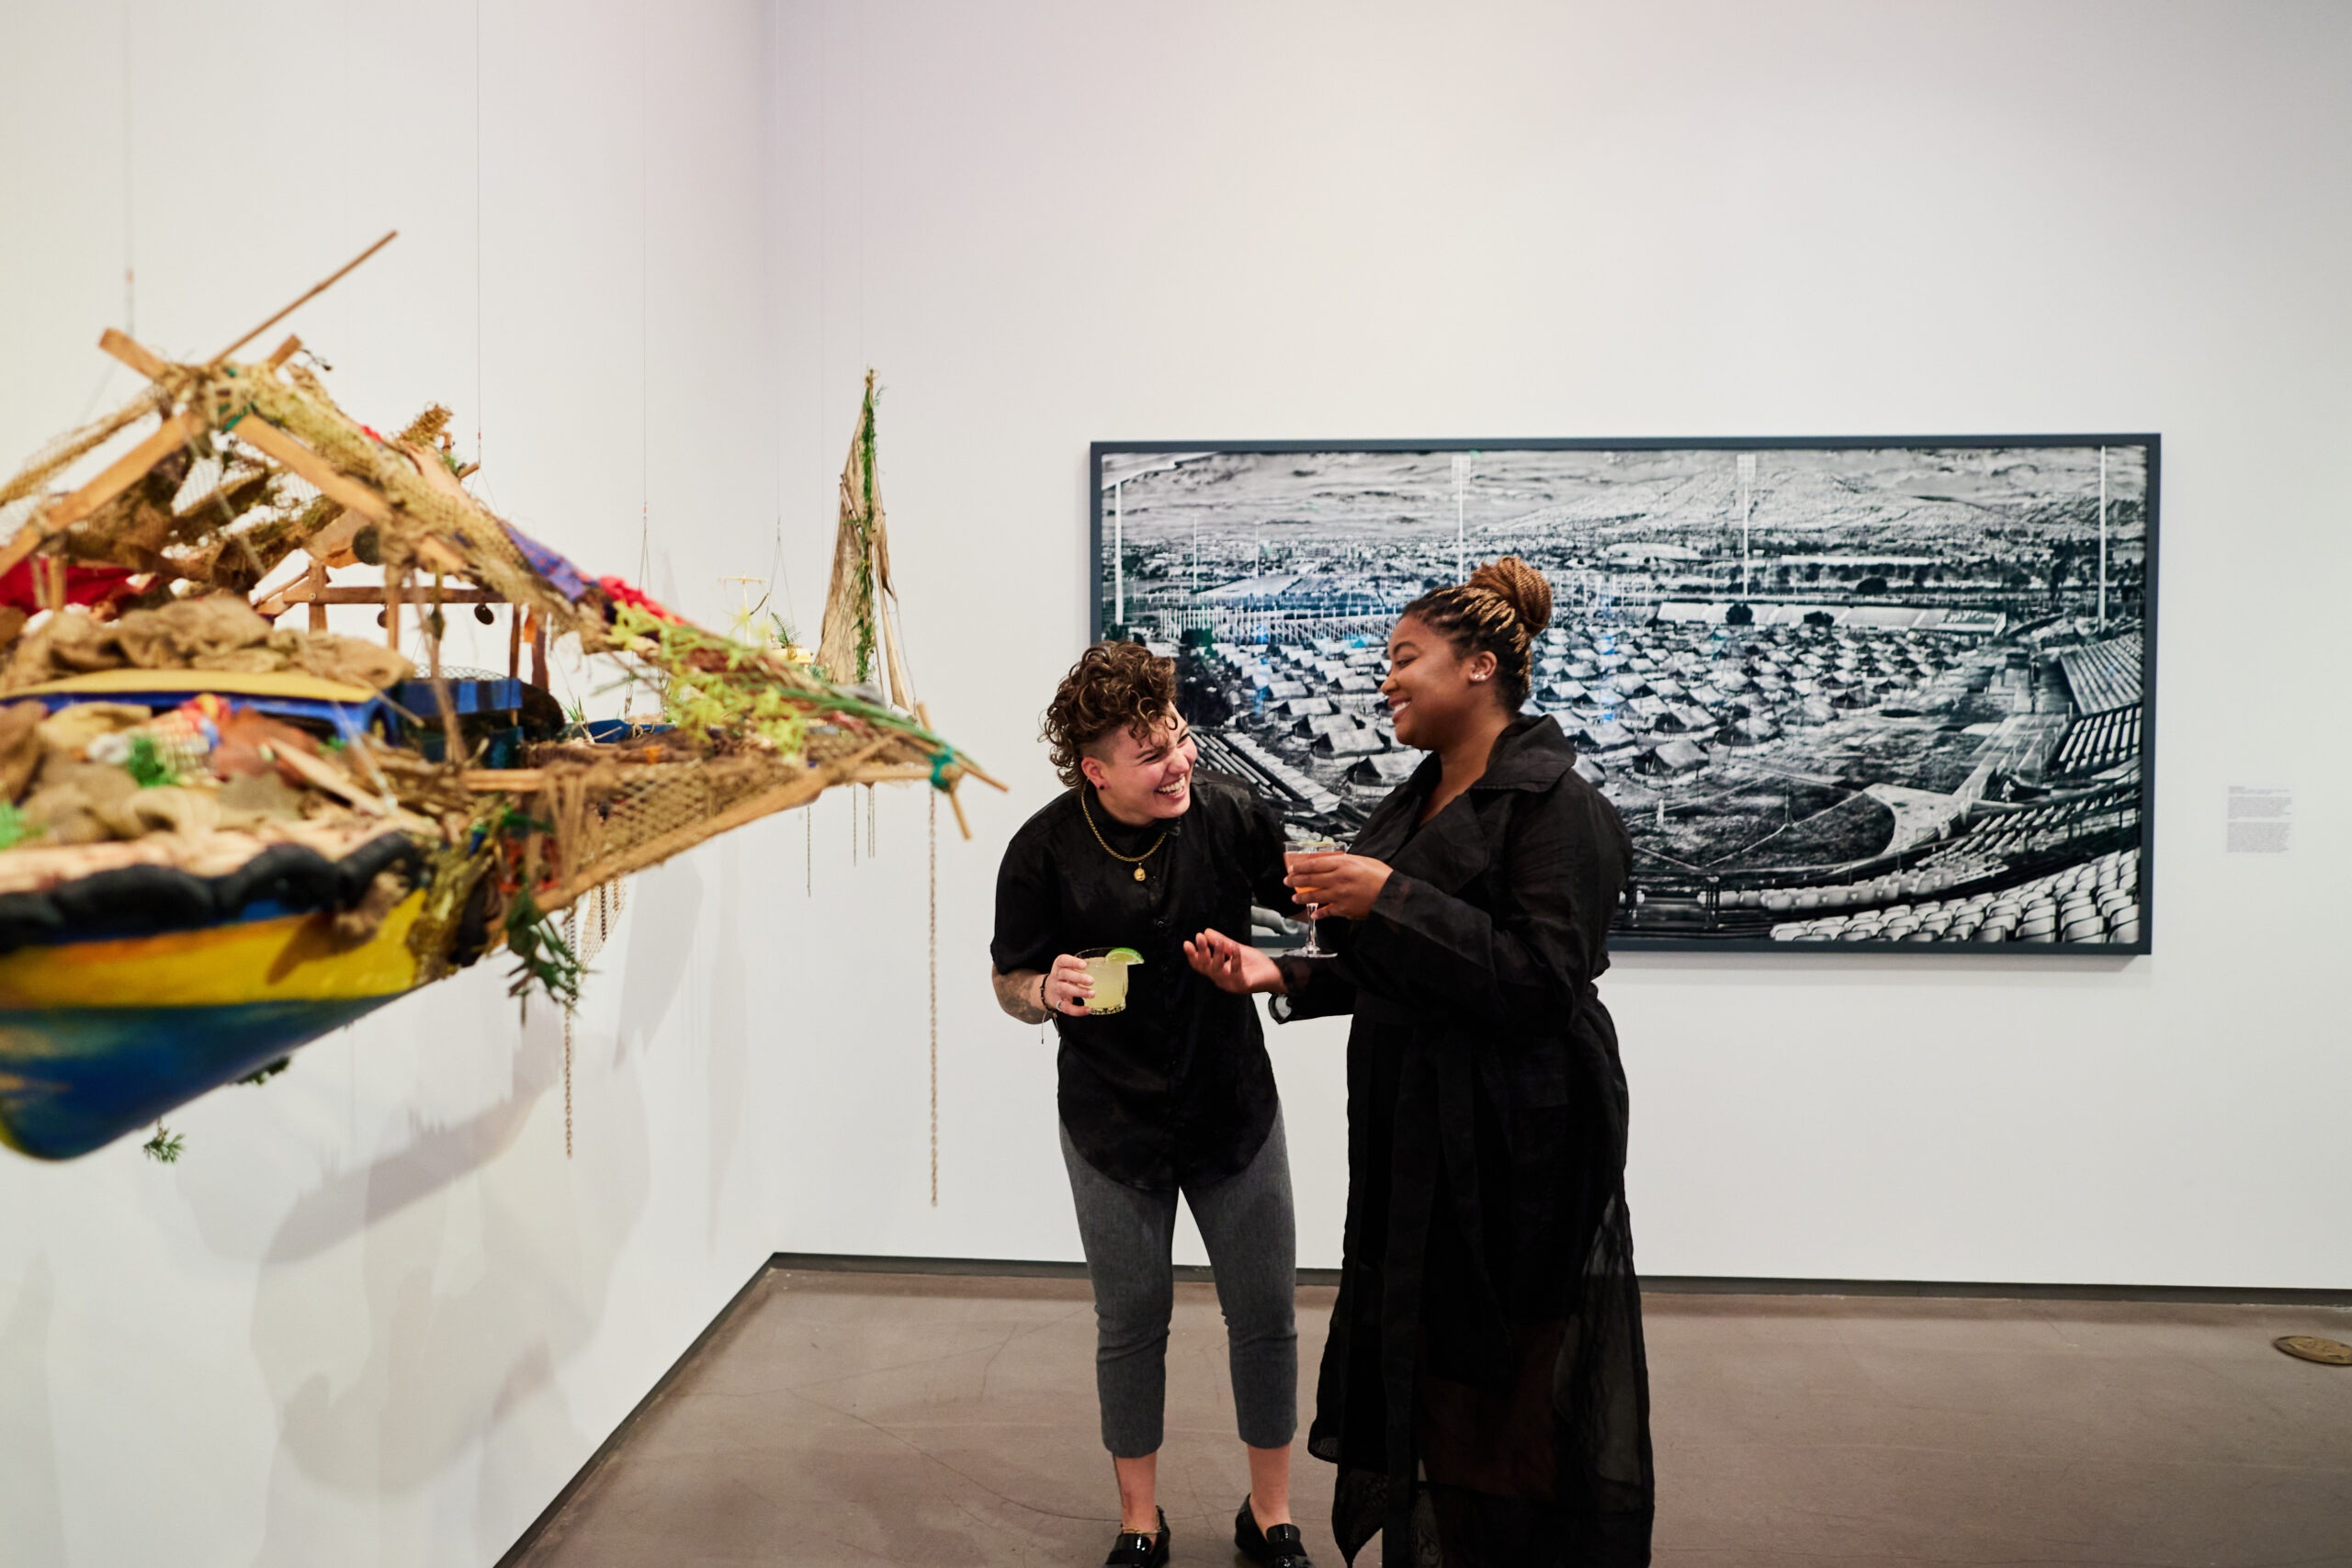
1107 968
1293 860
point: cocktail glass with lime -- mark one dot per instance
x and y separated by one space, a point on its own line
1107 968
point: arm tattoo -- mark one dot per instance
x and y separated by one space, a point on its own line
1017 994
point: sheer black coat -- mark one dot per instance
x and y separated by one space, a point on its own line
1483 1389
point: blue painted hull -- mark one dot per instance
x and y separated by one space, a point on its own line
71 1079
99 1038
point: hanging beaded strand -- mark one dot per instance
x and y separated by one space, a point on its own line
571 941
605 901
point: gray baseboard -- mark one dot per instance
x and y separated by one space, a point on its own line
1652 1284
986 1267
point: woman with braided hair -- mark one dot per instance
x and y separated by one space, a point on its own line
1483 1390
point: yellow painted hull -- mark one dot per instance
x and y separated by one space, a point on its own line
98 1038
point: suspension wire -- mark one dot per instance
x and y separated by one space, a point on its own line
935 999
644 327
129 186
478 247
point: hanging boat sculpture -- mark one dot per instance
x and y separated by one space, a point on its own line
220 838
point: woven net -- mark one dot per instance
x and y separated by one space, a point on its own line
70 448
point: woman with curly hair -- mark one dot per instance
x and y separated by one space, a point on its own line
1173 1092
1483 1390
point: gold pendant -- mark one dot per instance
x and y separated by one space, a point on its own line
1139 874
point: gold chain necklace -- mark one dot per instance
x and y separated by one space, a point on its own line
1135 861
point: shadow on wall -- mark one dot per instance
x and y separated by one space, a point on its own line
413 1316
32 1516
664 914
356 1201
726 1038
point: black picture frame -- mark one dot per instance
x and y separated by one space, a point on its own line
2102 816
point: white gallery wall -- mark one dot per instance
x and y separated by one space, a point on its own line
1048 224
377 1316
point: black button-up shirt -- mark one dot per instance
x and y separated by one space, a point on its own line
1176 1088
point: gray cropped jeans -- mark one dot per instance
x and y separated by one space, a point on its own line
1252 1237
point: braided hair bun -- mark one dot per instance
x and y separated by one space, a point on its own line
1521 587
1502 610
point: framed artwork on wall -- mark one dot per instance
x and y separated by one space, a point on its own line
1862 692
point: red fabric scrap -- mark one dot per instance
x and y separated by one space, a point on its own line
84 585
621 593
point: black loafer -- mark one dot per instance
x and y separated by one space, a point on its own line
1135 1550
1281 1547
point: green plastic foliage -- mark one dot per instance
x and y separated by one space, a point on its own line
743 695
867 611
147 766
740 698
543 962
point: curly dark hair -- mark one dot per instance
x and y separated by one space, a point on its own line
1502 610
1114 686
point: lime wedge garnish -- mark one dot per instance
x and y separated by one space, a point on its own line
1125 955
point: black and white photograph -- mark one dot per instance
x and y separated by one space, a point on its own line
1844 694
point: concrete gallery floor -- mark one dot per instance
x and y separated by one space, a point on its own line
870 1418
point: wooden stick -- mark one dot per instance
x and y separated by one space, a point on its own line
300 592
894 773
955 771
277 604
331 543
395 589
453 734
902 686
504 781
313 292
515 643
119 476
431 552
284 351
320 775
962 765
315 589
134 353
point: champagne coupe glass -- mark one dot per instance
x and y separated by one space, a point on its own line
1312 844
